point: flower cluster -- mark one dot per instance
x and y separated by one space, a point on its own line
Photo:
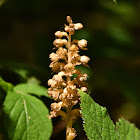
63 87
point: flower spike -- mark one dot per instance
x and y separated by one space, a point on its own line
63 88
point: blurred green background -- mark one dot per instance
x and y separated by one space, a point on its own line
113 32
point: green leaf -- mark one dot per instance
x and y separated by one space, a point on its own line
1 2
97 123
115 1
127 131
32 89
27 118
99 126
5 85
85 70
33 80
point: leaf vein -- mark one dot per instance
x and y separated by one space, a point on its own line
17 123
14 107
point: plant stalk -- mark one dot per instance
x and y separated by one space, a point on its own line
69 108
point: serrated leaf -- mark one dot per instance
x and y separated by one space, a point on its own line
126 130
97 123
5 85
99 126
31 88
27 117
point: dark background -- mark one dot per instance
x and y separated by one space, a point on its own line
27 30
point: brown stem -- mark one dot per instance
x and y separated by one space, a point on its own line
69 44
68 122
69 108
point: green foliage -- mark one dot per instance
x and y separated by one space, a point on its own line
99 126
115 1
5 85
97 123
1 2
126 130
23 72
27 117
31 88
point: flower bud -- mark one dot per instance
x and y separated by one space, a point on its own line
69 19
76 55
71 31
62 73
54 66
71 134
53 57
69 68
65 41
74 48
78 26
56 106
63 96
61 52
84 59
59 42
67 28
82 43
57 77
54 94
84 89
76 59
51 82
60 34
71 25
82 77
53 114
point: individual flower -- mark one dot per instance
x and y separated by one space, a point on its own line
76 59
56 106
69 68
52 83
72 31
54 57
69 19
54 94
84 59
60 34
82 77
57 66
74 48
53 114
62 53
71 133
82 44
84 89
67 28
60 42
57 78
78 26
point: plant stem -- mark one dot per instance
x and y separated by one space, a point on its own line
69 108
68 122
